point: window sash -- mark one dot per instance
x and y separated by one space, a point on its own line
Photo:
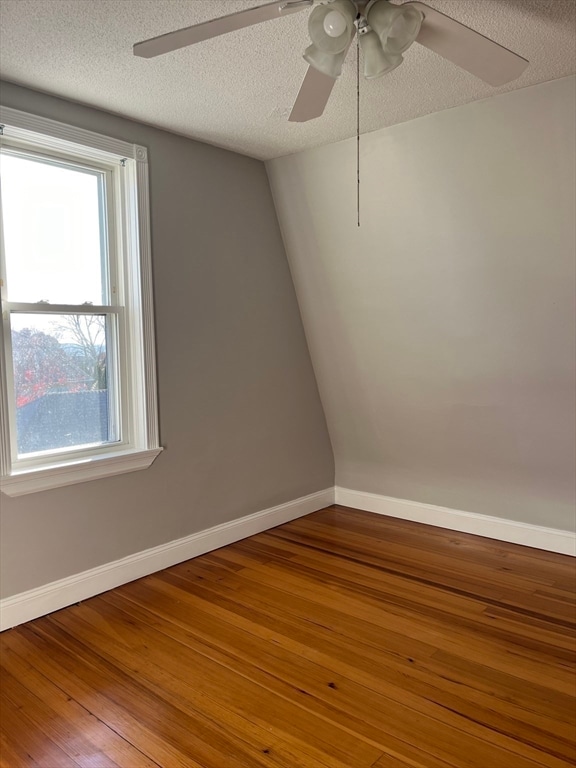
42 308
117 382
111 235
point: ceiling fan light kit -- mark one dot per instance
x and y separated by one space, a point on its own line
386 30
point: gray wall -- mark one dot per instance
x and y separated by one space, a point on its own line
442 330
240 415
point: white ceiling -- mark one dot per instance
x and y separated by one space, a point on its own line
236 90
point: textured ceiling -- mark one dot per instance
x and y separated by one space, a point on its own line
235 91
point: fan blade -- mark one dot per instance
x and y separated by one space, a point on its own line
468 49
312 96
171 41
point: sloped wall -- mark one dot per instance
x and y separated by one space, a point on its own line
442 329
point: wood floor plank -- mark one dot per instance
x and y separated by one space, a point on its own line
394 660
32 743
281 713
420 566
391 587
339 640
60 731
467 546
360 657
430 550
535 664
246 694
285 661
65 710
92 687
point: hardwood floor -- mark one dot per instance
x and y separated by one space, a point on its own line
340 640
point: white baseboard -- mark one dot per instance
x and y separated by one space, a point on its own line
58 594
550 539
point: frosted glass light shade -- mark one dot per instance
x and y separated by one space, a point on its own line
328 63
325 22
396 26
376 62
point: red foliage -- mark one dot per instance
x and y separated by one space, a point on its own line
40 366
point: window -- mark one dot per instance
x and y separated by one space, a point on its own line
78 367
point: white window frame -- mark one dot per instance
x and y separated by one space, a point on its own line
126 166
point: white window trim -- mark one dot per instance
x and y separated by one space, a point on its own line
51 134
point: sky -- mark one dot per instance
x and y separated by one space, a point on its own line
51 223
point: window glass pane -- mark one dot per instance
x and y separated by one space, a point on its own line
63 385
53 221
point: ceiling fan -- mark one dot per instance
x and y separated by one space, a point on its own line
385 31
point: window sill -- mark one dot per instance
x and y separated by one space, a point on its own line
32 481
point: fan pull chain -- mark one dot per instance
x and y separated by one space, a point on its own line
358 127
